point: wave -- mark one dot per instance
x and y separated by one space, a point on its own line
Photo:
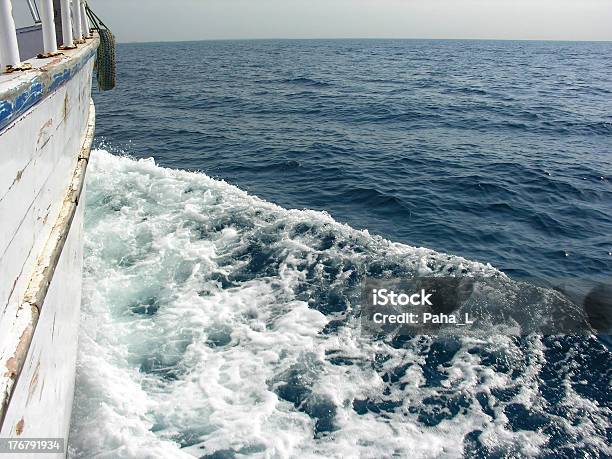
297 81
216 324
305 82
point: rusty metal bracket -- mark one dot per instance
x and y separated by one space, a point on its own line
48 55
18 68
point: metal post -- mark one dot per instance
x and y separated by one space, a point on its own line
9 50
57 12
84 20
67 25
76 20
48 27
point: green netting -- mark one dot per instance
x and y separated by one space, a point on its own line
105 63
106 68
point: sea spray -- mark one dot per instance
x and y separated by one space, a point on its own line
215 322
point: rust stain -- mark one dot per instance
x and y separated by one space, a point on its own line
53 327
33 383
19 427
66 107
47 212
15 181
46 142
17 178
12 364
53 62
11 367
44 136
48 124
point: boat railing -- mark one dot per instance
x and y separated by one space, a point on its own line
74 24
33 7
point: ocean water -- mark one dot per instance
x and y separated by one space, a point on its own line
222 277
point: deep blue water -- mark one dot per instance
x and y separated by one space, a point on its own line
497 151
232 325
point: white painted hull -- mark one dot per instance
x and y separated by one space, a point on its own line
43 156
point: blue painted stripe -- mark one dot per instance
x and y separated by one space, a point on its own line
16 102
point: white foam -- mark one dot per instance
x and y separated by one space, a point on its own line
187 336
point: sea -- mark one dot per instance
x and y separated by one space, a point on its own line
240 193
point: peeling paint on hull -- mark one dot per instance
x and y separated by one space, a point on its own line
26 94
44 150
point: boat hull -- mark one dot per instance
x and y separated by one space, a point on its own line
44 147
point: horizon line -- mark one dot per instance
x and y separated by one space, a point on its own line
552 40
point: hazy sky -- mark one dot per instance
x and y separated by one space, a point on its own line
161 20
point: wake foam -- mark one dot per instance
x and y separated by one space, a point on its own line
216 324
